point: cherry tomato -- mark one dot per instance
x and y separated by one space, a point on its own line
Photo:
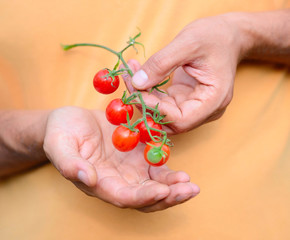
105 84
155 155
144 135
116 112
124 139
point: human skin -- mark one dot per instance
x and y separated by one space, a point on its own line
77 142
203 59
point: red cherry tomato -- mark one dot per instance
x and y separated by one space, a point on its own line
124 139
144 135
105 84
116 112
155 155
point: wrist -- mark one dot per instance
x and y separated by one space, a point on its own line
263 35
21 140
36 130
241 25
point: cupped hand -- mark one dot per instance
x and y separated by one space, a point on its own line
203 58
78 143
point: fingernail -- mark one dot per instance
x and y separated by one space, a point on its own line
195 188
139 78
180 198
160 196
83 177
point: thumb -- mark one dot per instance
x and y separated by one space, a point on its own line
158 67
71 165
75 168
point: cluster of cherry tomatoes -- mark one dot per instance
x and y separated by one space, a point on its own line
127 136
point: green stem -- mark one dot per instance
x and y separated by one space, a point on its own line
117 64
67 47
152 109
134 95
125 64
137 122
118 54
144 107
162 132
125 48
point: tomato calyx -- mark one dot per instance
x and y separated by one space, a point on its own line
124 139
129 125
132 42
155 155
128 101
116 112
157 117
113 73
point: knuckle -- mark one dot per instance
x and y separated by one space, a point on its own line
216 115
181 126
89 194
120 201
120 205
227 100
144 210
66 172
158 64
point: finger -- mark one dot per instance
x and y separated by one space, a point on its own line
63 153
179 193
216 116
118 192
188 113
167 176
134 65
167 106
160 65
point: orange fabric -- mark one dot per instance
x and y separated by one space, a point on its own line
241 162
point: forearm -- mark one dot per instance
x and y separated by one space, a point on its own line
21 140
264 35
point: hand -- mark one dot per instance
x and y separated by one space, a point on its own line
203 57
78 143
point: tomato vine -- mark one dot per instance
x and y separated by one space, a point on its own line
106 81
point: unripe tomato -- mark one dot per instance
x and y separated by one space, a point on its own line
105 84
156 156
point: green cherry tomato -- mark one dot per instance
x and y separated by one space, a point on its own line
156 156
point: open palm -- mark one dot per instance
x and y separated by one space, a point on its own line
78 143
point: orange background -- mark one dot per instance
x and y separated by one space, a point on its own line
241 162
